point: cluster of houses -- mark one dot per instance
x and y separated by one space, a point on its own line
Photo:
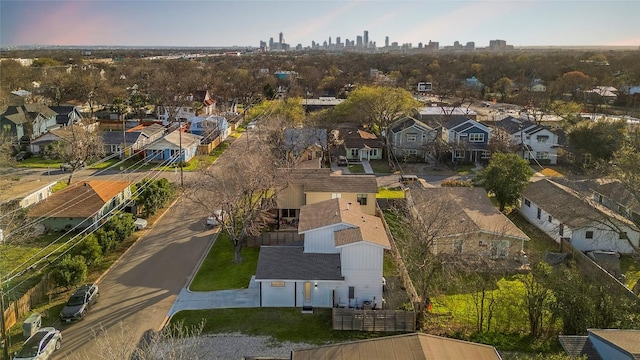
36 126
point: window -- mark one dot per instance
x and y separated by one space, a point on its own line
277 284
288 213
486 154
459 154
586 159
539 216
623 235
599 198
336 195
543 155
527 202
354 152
476 137
589 235
410 151
352 291
362 199
561 230
500 248
412 137
549 218
457 246
373 152
542 138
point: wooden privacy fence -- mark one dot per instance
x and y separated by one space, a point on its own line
373 320
274 238
16 310
206 149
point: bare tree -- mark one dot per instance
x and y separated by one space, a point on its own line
83 144
174 342
244 193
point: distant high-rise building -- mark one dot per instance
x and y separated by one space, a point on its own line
338 44
270 43
359 41
499 45
365 39
386 41
281 37
329 40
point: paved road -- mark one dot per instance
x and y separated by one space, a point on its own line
141 288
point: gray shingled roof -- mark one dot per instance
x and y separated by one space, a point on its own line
408 122
578 345
115 137
291 263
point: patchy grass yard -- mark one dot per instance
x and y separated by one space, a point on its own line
219 272
380 166
282 324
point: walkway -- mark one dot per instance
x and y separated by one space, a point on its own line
223 299
367 167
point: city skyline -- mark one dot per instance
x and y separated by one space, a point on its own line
247 23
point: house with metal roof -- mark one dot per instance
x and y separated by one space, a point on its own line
339 262
562 212
80 205
534 142
415 346
175 147
463 221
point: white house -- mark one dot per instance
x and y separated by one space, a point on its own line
168 148
563 213
339 262
536 142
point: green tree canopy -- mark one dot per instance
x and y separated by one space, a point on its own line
506 176
377 106
601 139
70 271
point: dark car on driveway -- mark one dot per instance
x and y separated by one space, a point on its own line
342 161
80 302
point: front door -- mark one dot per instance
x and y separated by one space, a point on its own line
364 154
307 294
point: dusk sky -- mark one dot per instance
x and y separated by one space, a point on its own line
244 23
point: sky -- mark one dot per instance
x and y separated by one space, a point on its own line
214 23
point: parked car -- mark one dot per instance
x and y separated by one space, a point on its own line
40 345
80 302
252 125
69 166
342 161
215 218
22 155
140 223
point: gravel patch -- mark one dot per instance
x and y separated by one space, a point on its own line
237 346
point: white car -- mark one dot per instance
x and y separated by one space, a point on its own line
215 218
252 125
40 345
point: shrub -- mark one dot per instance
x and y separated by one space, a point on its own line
107 240
456 183
70 271
90 250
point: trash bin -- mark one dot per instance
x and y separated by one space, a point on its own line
32 325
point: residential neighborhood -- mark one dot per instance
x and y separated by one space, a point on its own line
338 219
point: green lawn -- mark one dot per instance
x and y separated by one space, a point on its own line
282 324
219 272
380 166
356 168
39 162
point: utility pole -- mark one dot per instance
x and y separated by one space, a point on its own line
180 154
124 138
5 343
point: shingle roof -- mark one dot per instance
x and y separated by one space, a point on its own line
471 206
408 122
173 138
340 211
321 180
578 345
79 200
357 138
115 137
612 188
292 263
625 340
566 205
301 139
416 346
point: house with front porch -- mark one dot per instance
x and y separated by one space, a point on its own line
81 205
535 143
469 140
562 212
463 222
115 141
412 139
339 262
167 150
361 145
309 186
